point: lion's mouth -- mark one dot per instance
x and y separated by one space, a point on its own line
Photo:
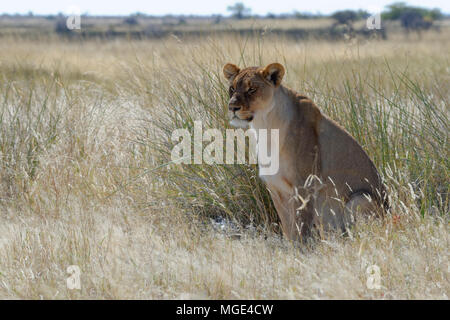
248 119
240 123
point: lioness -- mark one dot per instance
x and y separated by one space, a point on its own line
325 179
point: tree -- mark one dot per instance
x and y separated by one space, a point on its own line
238 10
411 18
346 17
396 10
362 14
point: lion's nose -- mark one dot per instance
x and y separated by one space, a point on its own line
233 107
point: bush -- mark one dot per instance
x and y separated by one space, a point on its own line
131 21
61 26
345 17
412 20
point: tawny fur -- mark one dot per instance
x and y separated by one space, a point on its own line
325 179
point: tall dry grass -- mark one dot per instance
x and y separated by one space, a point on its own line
86 177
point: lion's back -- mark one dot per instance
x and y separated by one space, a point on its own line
344 160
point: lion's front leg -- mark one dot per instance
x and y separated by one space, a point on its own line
296 218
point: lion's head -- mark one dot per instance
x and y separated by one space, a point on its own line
251 90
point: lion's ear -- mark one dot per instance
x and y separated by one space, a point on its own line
230 70
273 73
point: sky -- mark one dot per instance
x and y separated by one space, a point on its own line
200 7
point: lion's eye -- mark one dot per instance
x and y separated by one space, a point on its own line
251 90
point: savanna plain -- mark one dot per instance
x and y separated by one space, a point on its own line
86 177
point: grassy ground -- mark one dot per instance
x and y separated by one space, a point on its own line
85 177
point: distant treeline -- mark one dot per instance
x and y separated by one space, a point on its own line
394 11
141 25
